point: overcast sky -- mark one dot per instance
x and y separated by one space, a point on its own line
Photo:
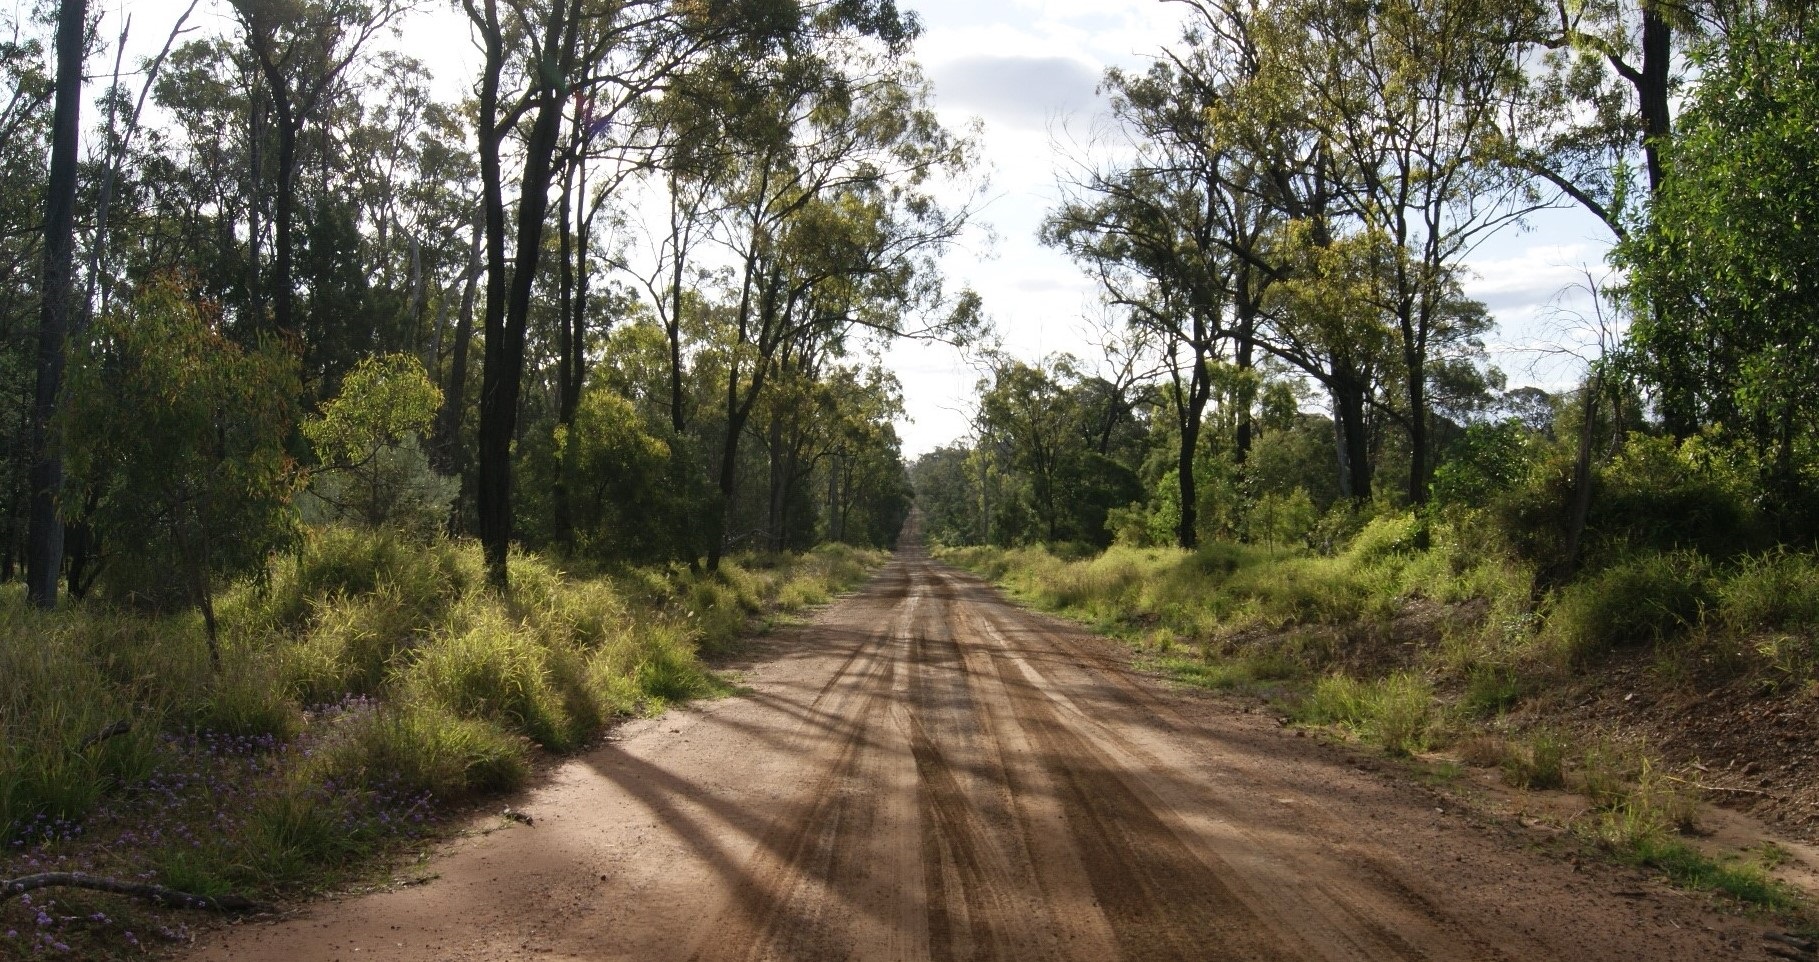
1028 69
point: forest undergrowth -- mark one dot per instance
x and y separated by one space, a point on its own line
1622 685
370 688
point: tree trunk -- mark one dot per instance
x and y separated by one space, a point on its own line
1187 530
1652 92
44 551
679 236
1352 441
567 350
1417 428
449 458
503 374
1247 353
1581 508
284 206
773 521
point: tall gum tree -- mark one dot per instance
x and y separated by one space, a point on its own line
303 50
44 557
831 223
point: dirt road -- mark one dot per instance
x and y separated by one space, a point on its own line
928 772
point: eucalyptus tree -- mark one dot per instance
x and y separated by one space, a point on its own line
303 50
615 56
25 123
44 557
1161 232
1408 97
831 222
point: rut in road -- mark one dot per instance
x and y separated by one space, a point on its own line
928 772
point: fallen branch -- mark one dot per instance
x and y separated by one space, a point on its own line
117 728
1720 788
140 890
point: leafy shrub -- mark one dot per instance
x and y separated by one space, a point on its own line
1485 460
373 470
175 448
1661 496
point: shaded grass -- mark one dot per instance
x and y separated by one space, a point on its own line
1689 868
367 682
1223 674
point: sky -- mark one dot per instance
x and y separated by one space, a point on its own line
1027 71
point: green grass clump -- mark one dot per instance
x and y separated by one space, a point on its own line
493 669
1222 674
1395 712
1650 598
1687 867
1772 592
419 748
1538 762
1491 689
1385 536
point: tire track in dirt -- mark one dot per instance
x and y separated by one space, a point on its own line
979 903
780 908
1283 886
929 772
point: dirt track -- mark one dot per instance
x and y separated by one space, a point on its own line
927 772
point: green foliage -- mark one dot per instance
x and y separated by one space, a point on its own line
1281 519
1221 674
625 500
383 400
174 445
1719 273
372 469
1396 711
1651 598
1661 495
1483 462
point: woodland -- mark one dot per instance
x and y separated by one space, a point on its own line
360 445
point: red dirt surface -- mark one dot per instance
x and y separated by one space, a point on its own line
929 772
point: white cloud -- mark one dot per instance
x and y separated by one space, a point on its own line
1020 92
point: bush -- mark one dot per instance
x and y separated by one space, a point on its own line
417 747
1647 599
1661 496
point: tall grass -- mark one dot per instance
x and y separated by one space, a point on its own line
1395 712
363 673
